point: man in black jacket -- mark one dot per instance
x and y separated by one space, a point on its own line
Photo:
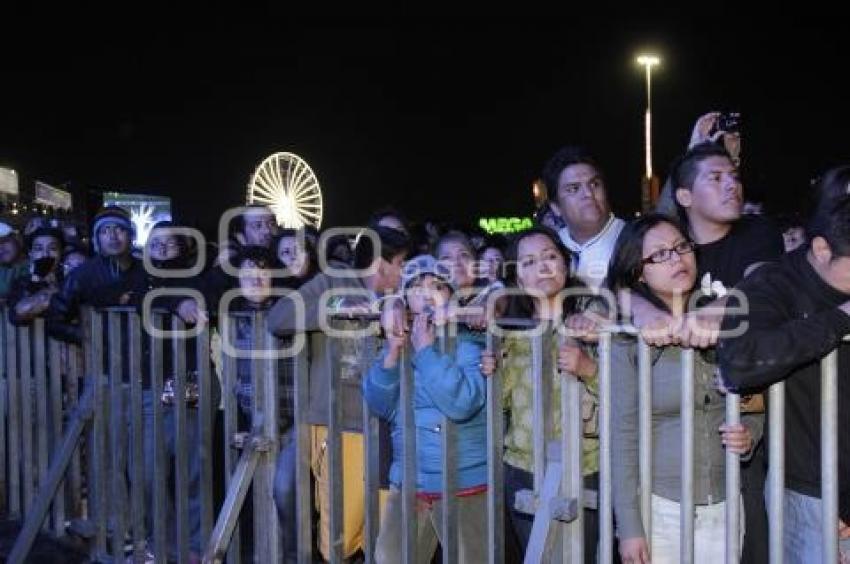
112 277
798 311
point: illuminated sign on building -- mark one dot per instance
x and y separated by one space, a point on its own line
48 195
8 181
505 224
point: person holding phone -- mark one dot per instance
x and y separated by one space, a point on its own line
30 295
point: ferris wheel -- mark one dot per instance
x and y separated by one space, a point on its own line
287 184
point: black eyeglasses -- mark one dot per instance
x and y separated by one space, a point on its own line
663 255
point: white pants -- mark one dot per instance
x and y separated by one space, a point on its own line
709 531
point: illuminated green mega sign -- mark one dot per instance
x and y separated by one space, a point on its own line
504 224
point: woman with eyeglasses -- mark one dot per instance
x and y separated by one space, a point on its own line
654 259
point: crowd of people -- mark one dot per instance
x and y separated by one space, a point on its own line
686 276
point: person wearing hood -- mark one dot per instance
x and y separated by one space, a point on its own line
112 277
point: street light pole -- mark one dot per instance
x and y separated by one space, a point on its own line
648 61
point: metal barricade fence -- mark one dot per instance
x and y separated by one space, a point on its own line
119 459
70 456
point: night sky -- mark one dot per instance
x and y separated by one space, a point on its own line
446 119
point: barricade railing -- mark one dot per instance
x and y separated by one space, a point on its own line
85 438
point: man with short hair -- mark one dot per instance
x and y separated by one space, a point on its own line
709 196
578 195
798 311
255 226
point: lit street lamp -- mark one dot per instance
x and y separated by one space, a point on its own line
648 61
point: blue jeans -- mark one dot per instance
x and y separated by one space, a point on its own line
802 536
194 472
284 495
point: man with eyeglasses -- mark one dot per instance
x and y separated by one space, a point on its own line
578 195
168 250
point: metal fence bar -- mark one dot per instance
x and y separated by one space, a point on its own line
733 486
449 515
408 480
572 483
606 523
76 426
686 540
97 453
41 399
4 411
231 454
538 376
371 440
90 378
645 434
159 439
333 452
73 354
225 530
829 456
264 480
495 467
181 446
24 352
302 458
137 481
206 414
776 472
117 426
56 389
261 524
14 429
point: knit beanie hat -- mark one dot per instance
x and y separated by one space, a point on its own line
110 215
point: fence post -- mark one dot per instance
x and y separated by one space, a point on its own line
686 540
231 456
645 434
371 445
303 506
206 418
137 491
776 470
4 412
159 439
26 398
96 485
56 390
572 480
449 469
41 399
13 412
733 485
181 447
606 523
408 480
829 456
117 426
495 466
264 481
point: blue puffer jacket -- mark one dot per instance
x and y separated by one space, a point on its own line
443 385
